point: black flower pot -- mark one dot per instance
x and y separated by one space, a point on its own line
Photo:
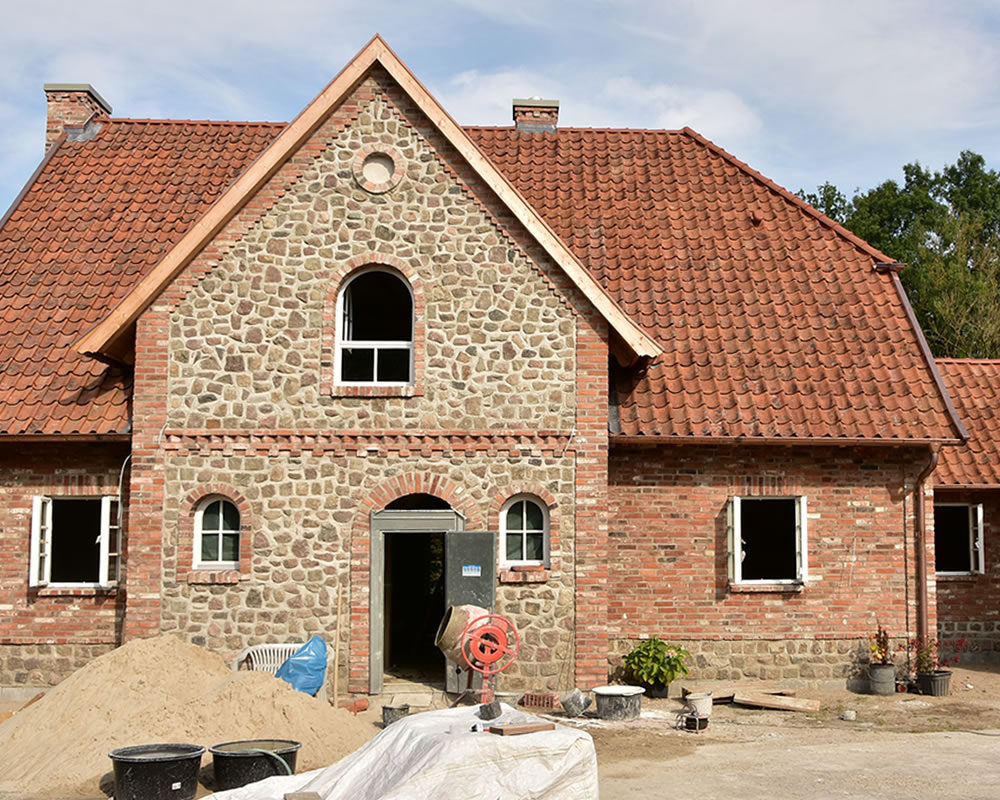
936 683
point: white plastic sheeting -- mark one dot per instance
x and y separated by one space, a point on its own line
436 755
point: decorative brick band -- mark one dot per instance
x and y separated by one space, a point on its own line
548 444
186 536
338 277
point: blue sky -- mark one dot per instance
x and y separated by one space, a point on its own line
804 91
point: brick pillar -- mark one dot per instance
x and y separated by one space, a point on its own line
591 546
70 105
144 545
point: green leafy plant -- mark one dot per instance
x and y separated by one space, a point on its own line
653 662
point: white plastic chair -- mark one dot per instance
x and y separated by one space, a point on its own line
268 658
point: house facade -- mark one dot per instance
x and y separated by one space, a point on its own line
259 377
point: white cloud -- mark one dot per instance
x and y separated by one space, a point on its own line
718 114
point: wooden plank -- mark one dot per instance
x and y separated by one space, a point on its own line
725 694
761 700
523 727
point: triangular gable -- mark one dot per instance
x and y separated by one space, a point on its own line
100 341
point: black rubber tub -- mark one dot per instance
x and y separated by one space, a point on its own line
239 763
156 771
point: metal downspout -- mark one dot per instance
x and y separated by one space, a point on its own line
920 514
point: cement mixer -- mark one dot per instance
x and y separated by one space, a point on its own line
486 643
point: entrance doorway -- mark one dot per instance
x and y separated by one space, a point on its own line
414 605
407 588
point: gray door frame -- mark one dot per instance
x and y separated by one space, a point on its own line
391 521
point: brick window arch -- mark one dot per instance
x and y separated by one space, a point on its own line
373 330
214 543
504 519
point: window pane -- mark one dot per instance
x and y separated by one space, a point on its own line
230 517
76 541
515 516
536 549
230 547
768 534
952 544
210 517
394 365
535 520
381 308
357 365
210 547
514 547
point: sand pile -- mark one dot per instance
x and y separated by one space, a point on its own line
160 690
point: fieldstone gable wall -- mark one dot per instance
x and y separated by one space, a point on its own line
249 401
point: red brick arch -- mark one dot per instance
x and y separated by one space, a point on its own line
185 535
391 489
329 338
550 501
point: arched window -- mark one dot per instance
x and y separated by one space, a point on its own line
217 534
524 531
375 330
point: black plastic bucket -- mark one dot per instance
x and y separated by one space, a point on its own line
239 763
156 771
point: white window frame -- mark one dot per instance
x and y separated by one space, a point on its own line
199 514
342 342
40 560
736 555
977 554
546 528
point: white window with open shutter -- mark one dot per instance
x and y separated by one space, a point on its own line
768 540
978 543
75 541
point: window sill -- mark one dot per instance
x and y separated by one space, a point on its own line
523 575
377 391
957 576
75 591
765 588
216 576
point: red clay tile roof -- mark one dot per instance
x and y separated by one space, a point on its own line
97 217
773 321
974 386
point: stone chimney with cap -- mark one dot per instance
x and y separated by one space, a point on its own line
534 115
70 105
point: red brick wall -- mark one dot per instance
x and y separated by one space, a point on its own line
58 627
669 545
968 606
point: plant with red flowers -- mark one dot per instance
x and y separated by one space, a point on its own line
927 655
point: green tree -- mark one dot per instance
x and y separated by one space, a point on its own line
945 226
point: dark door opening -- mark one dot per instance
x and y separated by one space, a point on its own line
414 604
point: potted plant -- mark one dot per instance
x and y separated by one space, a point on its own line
653 664
933 677
881 669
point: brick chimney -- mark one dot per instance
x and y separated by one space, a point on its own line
534 115
71 105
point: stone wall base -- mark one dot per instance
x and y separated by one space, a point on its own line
44 665
982 640
807 662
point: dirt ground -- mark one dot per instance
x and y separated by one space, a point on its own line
901 746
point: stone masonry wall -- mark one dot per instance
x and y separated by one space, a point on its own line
46 633
234 395
968 606
670 547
